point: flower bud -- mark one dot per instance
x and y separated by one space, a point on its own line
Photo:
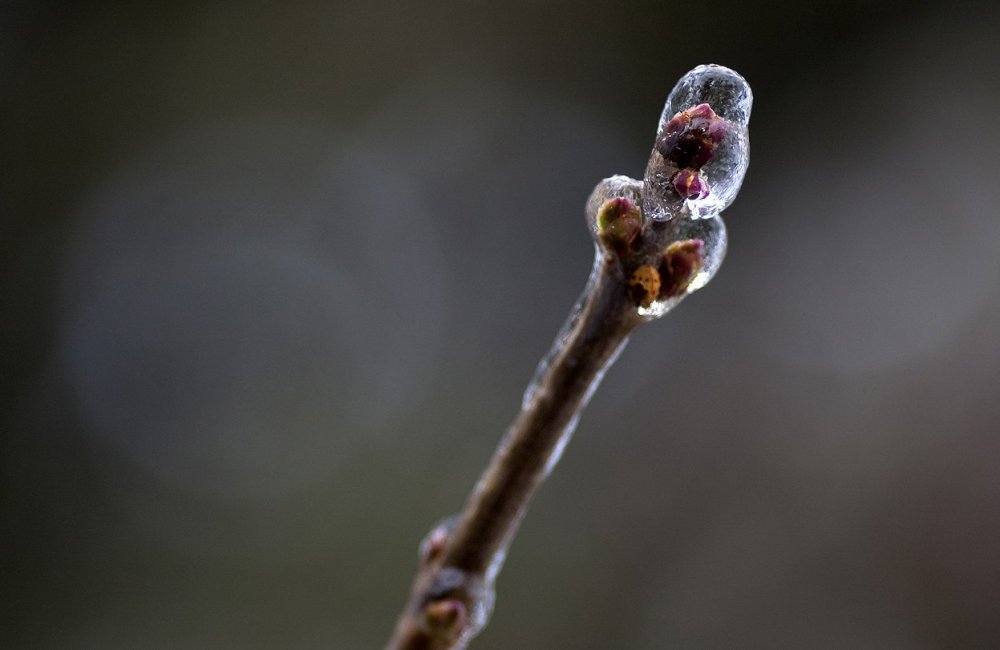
618 223
680 264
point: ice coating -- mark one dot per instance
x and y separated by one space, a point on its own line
451 583
712 233
716 102
611 187
483 607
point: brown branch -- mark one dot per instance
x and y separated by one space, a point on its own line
452 595
460 565
648 259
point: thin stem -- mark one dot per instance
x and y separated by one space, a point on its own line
537 435
461 568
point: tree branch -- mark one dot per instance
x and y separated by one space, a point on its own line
656 241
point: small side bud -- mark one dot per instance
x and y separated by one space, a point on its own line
690 185
446 618
434 544
644 285
680 264
619 221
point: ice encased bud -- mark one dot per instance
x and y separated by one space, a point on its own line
613 187
712 233
719 166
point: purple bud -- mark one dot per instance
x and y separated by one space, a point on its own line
446 617
434 544
690 185
681 262
690 137
704 119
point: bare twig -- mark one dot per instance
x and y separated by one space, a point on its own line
657 241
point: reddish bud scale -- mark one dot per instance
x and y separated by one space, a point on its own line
690 137
680 263
446 617
689 184
434 544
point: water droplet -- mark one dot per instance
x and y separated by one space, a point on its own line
703 146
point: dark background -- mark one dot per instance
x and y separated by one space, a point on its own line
274 275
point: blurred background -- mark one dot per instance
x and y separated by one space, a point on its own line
273 277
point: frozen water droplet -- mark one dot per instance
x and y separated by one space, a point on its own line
712 233
476 591
703 146
613 187
482 609
718 86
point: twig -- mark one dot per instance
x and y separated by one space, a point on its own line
656 241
